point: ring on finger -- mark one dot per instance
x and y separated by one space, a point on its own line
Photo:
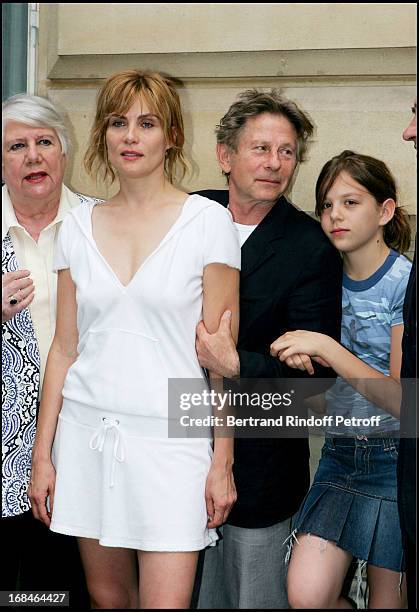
13 300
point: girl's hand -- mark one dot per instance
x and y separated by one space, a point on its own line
300 362
303 362
220 494
41 487
305 343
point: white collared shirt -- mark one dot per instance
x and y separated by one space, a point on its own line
37 257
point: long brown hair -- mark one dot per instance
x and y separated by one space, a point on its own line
377 179
116 96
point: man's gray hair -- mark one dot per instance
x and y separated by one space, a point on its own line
36 112
254 102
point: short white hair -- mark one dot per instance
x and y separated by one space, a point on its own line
37 112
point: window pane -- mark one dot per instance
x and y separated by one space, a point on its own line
14 48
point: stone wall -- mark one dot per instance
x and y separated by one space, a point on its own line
350 66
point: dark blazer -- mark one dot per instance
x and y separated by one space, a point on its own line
409 367
291 278
406 468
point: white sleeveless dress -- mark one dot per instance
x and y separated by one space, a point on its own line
120 478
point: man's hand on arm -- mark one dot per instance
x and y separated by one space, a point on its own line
217 352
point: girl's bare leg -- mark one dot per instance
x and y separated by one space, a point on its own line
316 574
384 590
166 579
111 575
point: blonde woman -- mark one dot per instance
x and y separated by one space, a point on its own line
135 276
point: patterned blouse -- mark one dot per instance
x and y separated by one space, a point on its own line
20 396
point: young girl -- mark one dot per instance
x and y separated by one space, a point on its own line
136 275
351 508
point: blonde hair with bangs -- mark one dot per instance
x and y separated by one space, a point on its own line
116 96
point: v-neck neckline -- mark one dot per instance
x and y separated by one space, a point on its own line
144 262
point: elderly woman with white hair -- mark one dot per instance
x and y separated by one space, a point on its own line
35 201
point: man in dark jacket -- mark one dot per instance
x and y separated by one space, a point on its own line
406 468
291 279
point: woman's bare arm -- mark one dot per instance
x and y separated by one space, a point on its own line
62 354
221 293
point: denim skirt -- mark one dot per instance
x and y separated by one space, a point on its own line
353 500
